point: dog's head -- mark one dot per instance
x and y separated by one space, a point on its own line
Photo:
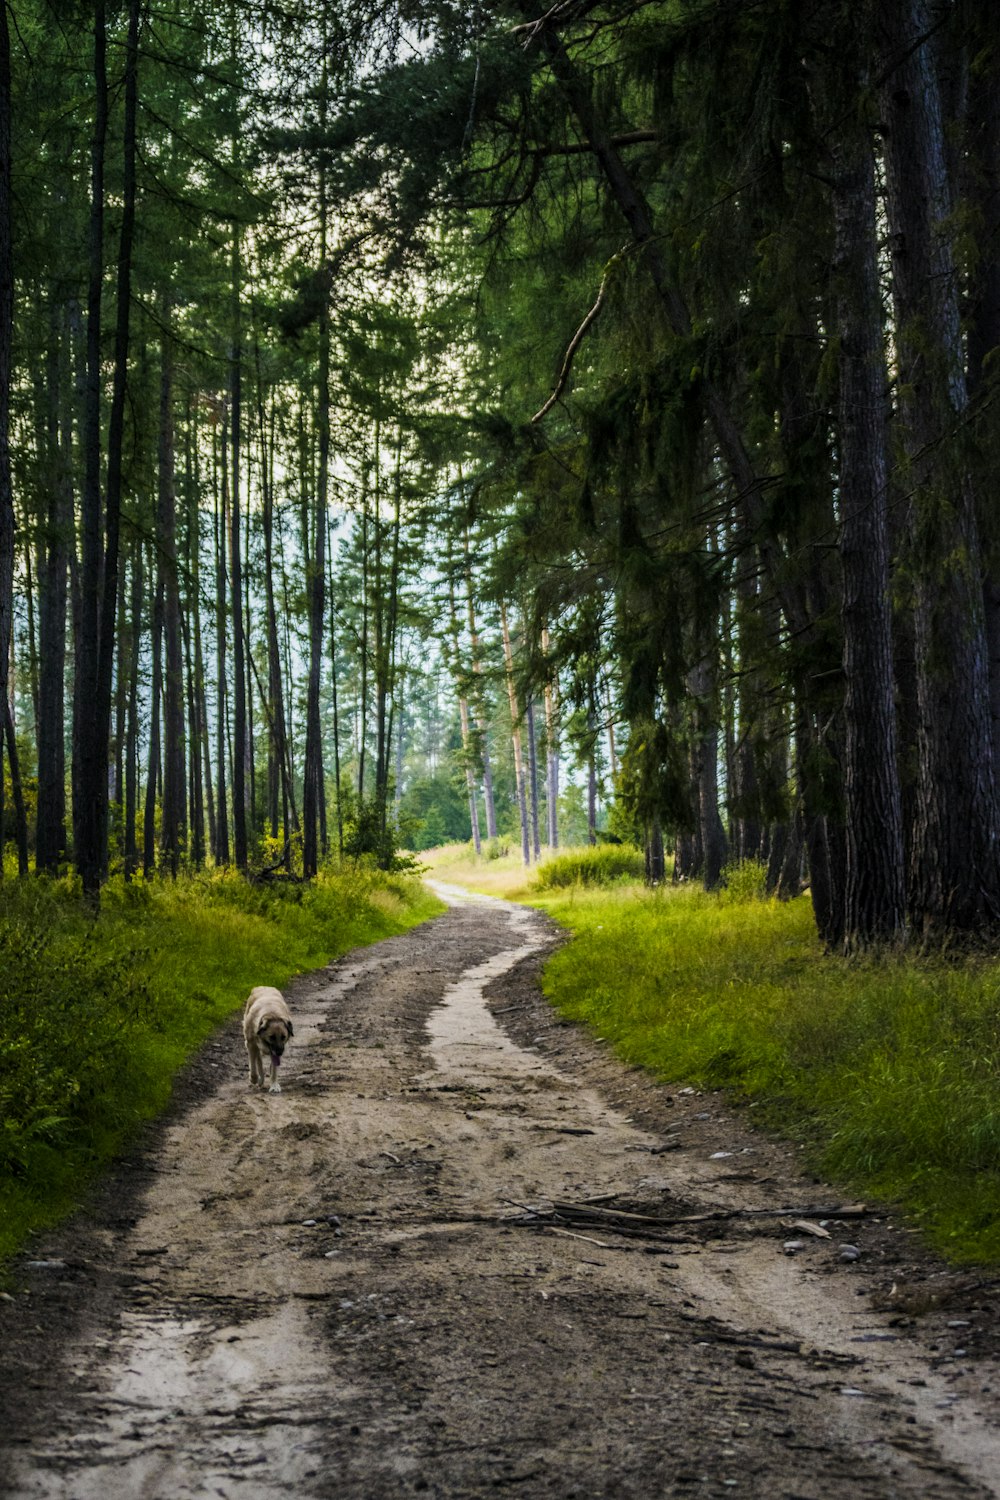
273 1034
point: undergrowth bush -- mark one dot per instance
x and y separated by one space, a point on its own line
600 864
97 1015
746 881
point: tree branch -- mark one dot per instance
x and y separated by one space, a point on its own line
578 338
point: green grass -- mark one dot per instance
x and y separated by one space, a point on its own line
96 1017
888 1070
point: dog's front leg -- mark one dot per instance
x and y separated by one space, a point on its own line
275 1087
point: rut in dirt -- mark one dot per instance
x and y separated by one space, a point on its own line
441 1264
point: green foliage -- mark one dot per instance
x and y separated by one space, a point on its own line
371 834
889 1070
96 1017
602 864
744 882
573 814
433 810
653 783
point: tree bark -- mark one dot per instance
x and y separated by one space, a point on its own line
130 851
239 704
281 769
705 748
529 724
50 828
116 436
365 602
955 876
592 779
983 198
16 790
477 703
463 712
174 821
88 771
552 748
316 566
221 850
515 721
6 340
336 722
875 897
154 764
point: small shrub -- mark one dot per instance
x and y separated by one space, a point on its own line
496 848
744 882
601 864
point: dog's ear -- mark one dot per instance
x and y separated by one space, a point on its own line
288 1028
264 1024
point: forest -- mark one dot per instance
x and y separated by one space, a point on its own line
526 422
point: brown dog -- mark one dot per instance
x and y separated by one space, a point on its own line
267 1027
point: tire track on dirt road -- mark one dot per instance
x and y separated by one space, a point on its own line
357 1288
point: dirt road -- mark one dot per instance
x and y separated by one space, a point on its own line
361 1288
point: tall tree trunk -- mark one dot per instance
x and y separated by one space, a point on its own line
276 695
153 767
875 898
50 828
463 713
386 655
173 826
612 747
130 852
955 871
239 705
592 777
107 636
200 688
401 728
221 850
6 339
363 699
88 771
983 199
705 756
117 811
529 724
195 787
336 720
515 723
745 810
478 699
552 748
316 590
316 575
250 740
191 634
16 790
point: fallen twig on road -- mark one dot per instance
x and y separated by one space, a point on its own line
631 1225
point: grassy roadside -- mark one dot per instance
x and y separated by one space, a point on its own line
887 1070
96 1017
